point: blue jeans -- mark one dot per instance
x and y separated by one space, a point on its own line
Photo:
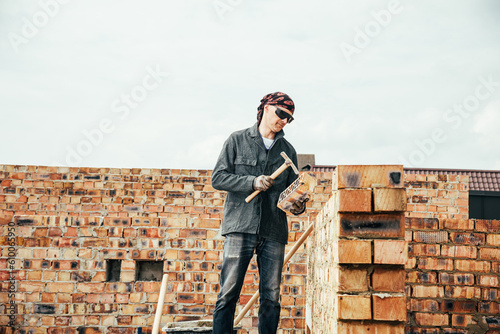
238 251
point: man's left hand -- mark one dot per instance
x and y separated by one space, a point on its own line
299 206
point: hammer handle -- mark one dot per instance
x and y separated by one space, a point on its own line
274 175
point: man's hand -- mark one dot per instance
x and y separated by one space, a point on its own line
262 182
299 206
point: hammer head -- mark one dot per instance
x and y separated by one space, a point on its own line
289 162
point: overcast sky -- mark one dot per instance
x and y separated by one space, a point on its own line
162 84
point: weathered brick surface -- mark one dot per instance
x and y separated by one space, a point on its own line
389 307
69 221
354 307
355 267
453 280
389 199
388 279
354 251
372 225
366 176
354 200
390 251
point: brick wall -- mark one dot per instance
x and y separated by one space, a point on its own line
453 275
69 222
437 196
72 220
453 270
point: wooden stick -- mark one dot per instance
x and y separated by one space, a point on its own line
273 176
287 258
159 307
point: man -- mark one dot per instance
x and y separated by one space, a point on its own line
247 159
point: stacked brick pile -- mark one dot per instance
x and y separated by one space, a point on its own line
70 222
356 275
453 275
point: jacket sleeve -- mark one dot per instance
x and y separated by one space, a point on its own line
224 176
291 175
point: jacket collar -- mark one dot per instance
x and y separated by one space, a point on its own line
254 132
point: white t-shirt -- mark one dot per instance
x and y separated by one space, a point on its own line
268 142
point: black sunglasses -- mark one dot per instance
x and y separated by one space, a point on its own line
283 114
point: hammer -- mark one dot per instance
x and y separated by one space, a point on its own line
288 163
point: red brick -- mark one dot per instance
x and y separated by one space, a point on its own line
462 320
430 237
424 291
424 305
388 280
193 233
388 200
489 308
458 306
457 224
390 251
493 239
366 176
468 292
431 263
145 221
472 265
191 255
422 277
390 308
489 280
190 298
372 225
489 254
357 327
422 223
354 307
491 294
354 200
469 252
145 254
468 238
424 249
351 279
487 225
456 278
355 251
431 319
120 222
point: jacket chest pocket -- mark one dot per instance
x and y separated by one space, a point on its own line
244 165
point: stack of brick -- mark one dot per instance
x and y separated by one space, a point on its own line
356 274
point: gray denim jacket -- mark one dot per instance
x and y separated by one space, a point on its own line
242 159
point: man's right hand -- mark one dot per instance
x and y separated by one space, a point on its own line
262 182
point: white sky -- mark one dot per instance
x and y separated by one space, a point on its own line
381 98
